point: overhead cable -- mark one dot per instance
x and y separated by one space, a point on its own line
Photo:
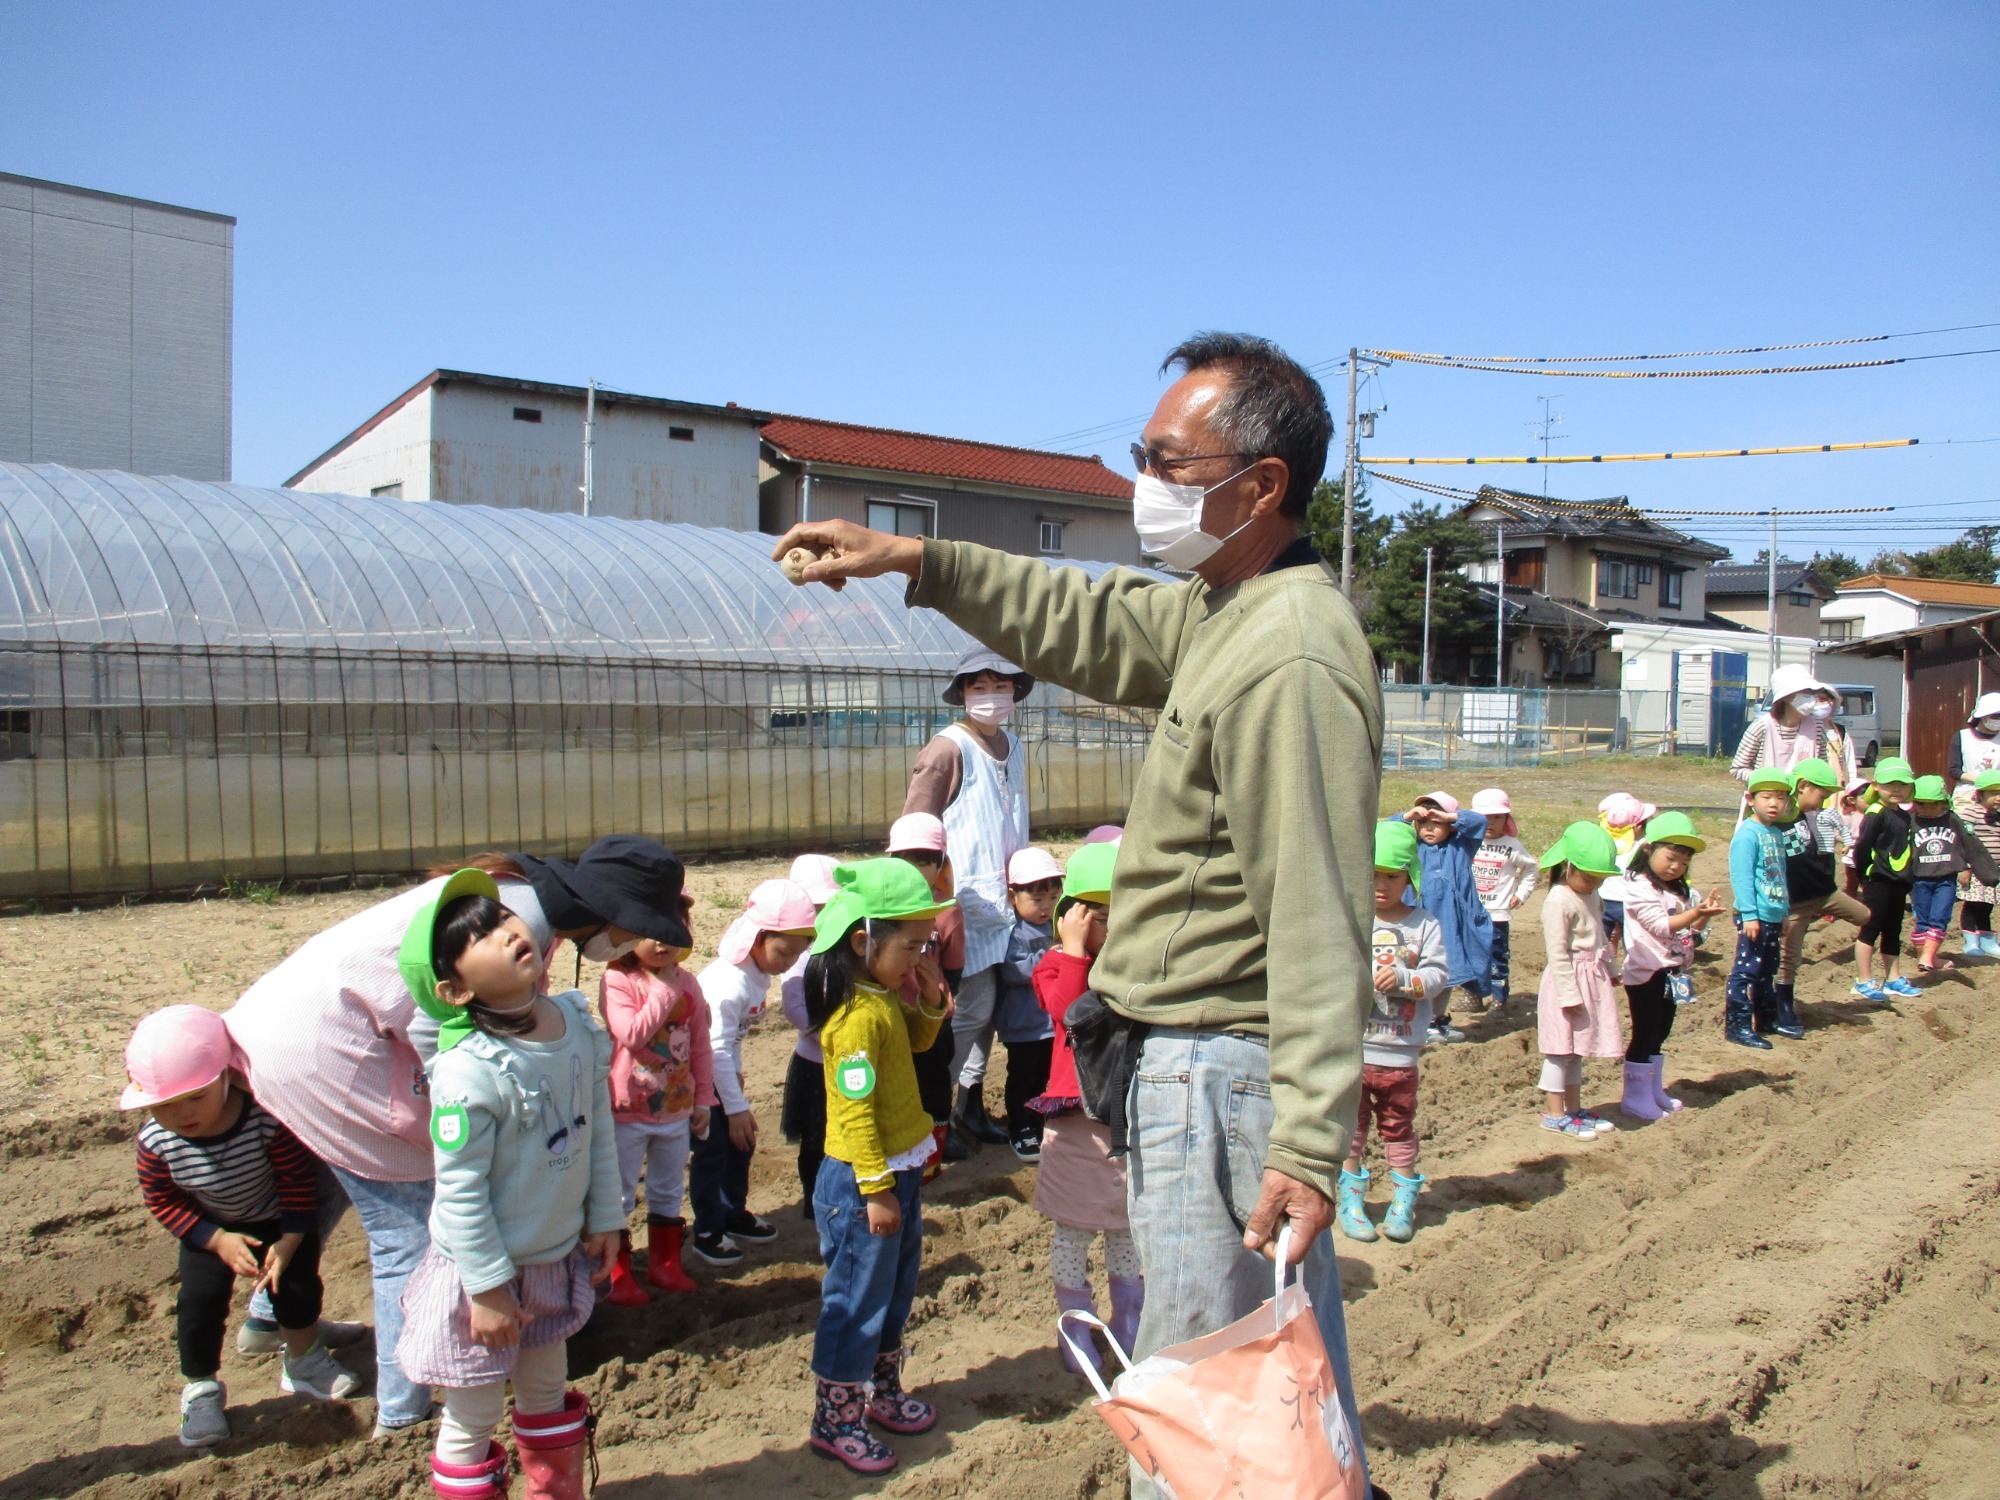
1370 460
1628 359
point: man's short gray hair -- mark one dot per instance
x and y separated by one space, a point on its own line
1273 408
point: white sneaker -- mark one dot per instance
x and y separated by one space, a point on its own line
255 1341
317 1374
203 1421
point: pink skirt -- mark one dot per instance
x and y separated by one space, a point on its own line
1078 1182
1592 1030
437 1347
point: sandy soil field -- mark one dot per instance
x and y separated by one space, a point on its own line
1791 1289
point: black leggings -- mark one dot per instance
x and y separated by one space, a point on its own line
934 1077
802 1120
208 1286
1027 1078
1652 1017
1887 900
1975 916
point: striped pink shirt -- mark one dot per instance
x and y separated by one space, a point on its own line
325 1041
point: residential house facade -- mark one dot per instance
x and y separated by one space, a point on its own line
1740 593
1883 604
1021 500
1574 571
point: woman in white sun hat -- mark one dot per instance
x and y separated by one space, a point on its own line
1974 748
1798 726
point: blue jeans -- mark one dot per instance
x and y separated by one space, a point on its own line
1930 907
333 1207
396 1216
1501 970
718 1177
1200 1123
870 1281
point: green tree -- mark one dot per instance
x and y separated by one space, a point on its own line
1973 558
1371 532
1395 616
1835 567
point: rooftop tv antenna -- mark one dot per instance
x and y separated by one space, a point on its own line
1548 431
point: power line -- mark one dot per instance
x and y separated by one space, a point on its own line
1621 458
1624 359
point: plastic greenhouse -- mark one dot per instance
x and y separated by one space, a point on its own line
205 681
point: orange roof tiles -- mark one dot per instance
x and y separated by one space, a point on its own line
1929 590
920 454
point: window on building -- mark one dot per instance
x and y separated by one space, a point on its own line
389 491
901 518
1840 630
1052 537
1528 569
527 414
1617 578
1670 588
681 434
1645 571
1804 601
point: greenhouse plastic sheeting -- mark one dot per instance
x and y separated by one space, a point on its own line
201 682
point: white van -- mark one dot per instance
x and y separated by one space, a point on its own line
1858 720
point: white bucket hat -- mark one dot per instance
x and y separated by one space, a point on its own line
1792 678
1989 703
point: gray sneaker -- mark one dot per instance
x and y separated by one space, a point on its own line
252 1341
203 1421
317 1374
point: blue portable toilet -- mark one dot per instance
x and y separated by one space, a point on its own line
1729 675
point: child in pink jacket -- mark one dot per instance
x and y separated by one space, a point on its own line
662 1087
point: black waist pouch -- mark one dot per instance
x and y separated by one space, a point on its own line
1106 1047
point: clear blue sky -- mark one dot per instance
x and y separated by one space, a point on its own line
992 221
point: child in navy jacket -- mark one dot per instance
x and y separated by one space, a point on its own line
1447 842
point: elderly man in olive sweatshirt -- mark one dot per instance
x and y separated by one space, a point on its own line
1242 906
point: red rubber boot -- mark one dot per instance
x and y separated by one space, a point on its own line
553 1447
663 1257
480 1481
625 1290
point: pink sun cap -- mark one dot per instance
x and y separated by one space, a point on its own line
1030 865
1443 801
916 831
1492 803
174 1052
1105 833
775 906
1623 810
813 873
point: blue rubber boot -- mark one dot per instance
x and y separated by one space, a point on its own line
1400 1224
1352 1213
1787 1023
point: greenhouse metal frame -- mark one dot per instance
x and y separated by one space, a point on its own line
201 682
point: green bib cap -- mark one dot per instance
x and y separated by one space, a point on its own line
1986 780
1894 768
1677 828
883 890
414 959
1815 773
1932 789
1586 846
1087 877
1396 849
1769 778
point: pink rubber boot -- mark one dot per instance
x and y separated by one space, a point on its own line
553 1447
486 1480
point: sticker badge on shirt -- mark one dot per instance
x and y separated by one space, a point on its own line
854 1076
449 1127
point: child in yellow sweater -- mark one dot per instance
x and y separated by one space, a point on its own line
872 936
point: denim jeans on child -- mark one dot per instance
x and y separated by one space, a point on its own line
1750 997
1500 972
718 1178
396 1216
1201 1118
870 1280
1930 907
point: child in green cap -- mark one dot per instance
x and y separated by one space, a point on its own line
1882 855
1763 900
874 934
1812 877
1943 847
530 1209
1975 917
1663 917
1576 1009
1409 979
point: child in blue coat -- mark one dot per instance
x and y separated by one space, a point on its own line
1447 842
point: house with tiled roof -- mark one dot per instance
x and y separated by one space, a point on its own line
1020 500
1883 603
1575 571
1740 593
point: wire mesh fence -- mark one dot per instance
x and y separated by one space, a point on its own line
141 768
1434 726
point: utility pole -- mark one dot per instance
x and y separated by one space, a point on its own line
589 442
1771 605
1424 669
1500 612
1347 483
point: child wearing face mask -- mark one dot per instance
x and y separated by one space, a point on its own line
761 944
1975 917
528 1214
240 1194
1662 915
662 1088
875 934
1973 750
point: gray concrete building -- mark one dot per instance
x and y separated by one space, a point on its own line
470 439
115 331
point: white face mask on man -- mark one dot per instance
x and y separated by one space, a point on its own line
1168 520
601 950
990 707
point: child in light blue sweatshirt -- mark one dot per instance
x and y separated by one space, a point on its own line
1762 900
